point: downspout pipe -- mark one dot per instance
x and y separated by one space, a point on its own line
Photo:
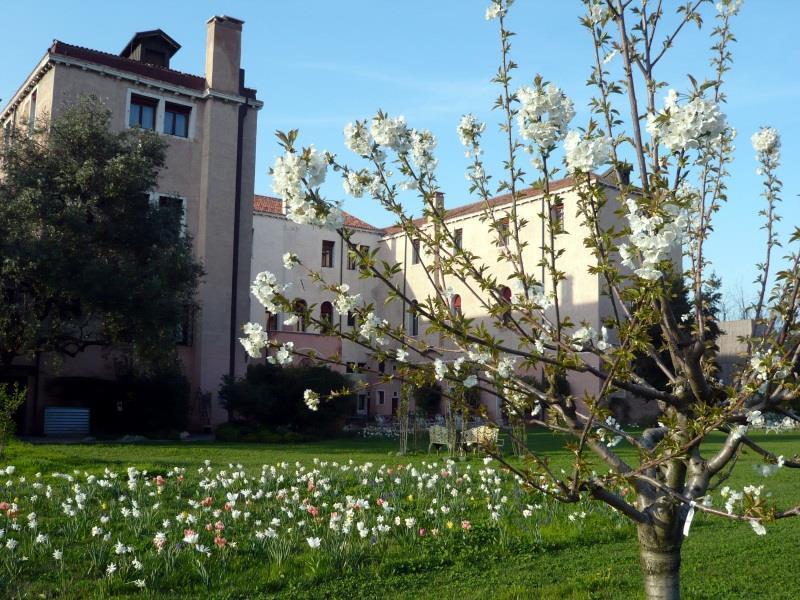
237 218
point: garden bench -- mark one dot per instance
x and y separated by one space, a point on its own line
438 437
483 435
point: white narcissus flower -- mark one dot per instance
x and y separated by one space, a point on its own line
313 542
311 398
58 554
582 154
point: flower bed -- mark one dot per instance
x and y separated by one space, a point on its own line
193 528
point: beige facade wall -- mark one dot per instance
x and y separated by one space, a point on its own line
207 170
273 235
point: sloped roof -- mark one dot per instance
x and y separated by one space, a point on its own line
274 206
497 201
106 59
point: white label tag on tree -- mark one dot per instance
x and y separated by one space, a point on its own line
689 517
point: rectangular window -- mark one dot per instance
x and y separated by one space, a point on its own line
382 367
143 112
362 403
414 252
272 321
351 319
8 133
176 212
32 113
414 318
557 216
381 397
176 119
504 229
458 236
327 253
351 260
183 332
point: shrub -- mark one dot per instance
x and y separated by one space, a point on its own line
11 398
272 396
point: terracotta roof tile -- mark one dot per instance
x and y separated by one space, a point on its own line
274 206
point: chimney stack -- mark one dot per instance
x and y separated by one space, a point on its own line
439 201
224 54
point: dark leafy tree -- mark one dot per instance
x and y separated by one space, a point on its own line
87 260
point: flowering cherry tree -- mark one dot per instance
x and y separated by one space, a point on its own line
680 148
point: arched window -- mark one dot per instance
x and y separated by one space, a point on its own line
300 308
505 299
457 305
326 313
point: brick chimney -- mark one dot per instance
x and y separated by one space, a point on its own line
223 53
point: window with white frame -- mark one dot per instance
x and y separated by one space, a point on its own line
142 112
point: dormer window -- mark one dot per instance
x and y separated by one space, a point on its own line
143 112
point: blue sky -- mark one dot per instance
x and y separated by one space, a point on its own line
319 64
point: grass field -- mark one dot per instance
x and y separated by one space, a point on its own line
597 558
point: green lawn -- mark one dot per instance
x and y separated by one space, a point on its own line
596 559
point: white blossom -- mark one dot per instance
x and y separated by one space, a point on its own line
357 138
597 12
311 398
582 154
543 115
767 143
401 354
688 126
728 8
422 145
471 381
469 132
391 132
290 259
283 356
758 528
256 339
370 328
496 9
265 288
439 369
654 237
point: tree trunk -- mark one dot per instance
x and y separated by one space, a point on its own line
660 558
